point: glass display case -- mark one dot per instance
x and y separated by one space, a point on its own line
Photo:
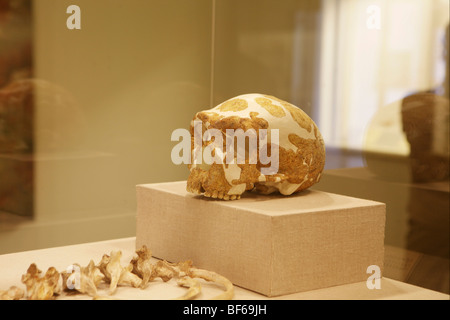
91 91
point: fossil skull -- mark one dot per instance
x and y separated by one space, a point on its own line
297 150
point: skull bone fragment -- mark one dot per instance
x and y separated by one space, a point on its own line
254 142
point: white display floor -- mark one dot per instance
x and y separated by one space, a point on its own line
13 265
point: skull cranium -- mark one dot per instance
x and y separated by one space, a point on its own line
299 148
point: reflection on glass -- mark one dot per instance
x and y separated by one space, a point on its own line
93 116
16 107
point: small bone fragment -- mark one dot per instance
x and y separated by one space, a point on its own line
192 284
13 293
115 274
41 288
86 281
217 278
185 268
143 267
164 271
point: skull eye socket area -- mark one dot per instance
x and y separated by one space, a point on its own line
234 146
203 166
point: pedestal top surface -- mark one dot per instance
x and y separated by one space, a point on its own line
275 204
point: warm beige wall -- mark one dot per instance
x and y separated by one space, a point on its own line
268 46
136 70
